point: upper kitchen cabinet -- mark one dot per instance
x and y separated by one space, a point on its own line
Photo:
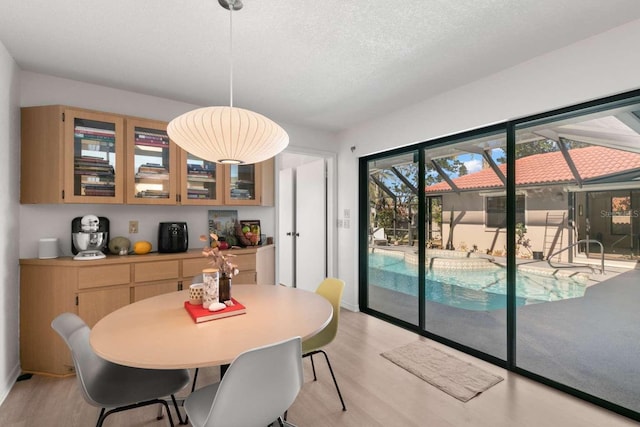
200 181
71 156
249 184
152 172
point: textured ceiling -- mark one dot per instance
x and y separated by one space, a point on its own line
326 64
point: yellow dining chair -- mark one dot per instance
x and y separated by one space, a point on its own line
331 289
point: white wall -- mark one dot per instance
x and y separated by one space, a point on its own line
39 221
9 282
593 68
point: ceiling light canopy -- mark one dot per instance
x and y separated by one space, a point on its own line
228 134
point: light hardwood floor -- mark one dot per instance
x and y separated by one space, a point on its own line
376 392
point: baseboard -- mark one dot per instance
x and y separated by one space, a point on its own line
8 383
350 307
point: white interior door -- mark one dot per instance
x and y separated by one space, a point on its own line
286 228
311 224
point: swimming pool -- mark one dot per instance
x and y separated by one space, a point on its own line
481 290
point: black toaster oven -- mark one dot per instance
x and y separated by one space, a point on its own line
173 237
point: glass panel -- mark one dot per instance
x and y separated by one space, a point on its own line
151 163
94 158
579 325
392 256
621 215
201 179
465 278
243 182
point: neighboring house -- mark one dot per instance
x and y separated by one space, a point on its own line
557 205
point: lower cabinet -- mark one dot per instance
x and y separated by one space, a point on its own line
94 305
93 289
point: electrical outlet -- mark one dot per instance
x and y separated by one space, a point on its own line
133 227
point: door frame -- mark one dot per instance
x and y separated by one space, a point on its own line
332 205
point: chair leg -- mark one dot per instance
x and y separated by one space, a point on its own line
310 356
101 418
175 405
104 415
344 408
195 378
313 366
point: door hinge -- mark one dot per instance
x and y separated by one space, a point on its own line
77 300
63 116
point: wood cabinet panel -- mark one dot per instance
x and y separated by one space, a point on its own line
45 292
150 271
245 262
193 267
94 305
244 278
108 275
141 292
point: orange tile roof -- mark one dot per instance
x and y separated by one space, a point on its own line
550 168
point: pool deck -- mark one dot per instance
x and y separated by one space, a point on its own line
589 343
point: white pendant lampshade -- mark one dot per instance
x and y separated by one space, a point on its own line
228 135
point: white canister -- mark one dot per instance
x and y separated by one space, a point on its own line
210 292
48 248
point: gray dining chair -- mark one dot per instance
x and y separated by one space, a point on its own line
257 388
113 387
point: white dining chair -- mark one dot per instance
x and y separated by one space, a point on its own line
257 388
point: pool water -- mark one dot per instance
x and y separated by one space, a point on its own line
481 290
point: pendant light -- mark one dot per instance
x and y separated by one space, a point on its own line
228 134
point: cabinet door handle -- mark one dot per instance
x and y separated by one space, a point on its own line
289 233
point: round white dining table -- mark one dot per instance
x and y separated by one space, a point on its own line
158 332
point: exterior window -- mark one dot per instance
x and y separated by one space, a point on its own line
620 215
496 207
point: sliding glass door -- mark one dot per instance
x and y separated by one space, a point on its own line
519 243
577 265
465 230
392 238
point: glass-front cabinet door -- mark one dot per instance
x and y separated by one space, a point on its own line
94 171
243 184
201 181
151 163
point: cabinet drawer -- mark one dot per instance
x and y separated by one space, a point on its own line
108 275
150 271
243 278
147 291
193 267
245 262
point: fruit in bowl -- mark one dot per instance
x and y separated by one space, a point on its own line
248 234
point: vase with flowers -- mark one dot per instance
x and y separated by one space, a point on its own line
221 262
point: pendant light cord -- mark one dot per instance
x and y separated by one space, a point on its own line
231 5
